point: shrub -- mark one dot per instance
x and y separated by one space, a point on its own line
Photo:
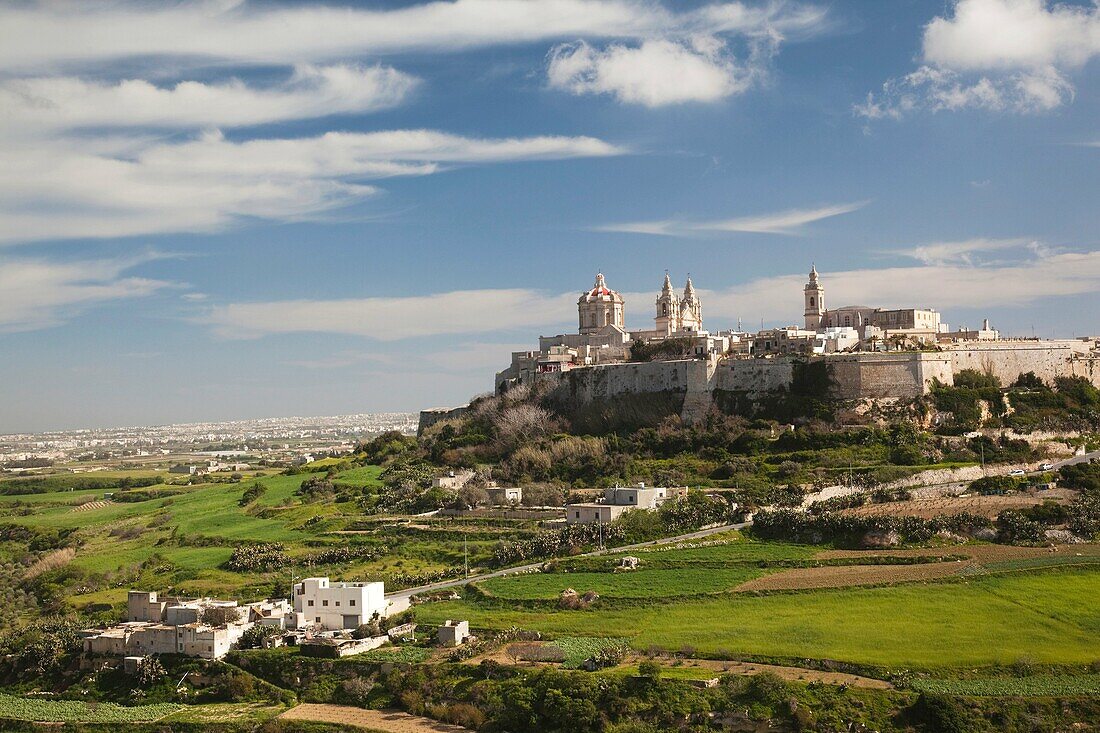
252 493
257 557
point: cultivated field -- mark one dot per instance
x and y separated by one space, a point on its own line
389 721
1046 616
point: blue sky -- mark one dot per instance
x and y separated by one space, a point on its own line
216 210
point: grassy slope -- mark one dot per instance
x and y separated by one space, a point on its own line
209 510
1045 617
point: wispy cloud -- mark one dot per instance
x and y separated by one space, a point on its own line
38 33
961 252
39 293
790 222
311 91
64 189
390 319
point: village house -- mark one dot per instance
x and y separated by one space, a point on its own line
328 605
180 626
614 503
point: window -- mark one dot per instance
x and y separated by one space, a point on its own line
811 302
578 515
310 602
318 619
324 603
337 603
301 590
351 602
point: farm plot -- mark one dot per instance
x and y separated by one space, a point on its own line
391 721
841 576
77 711
979 559
1040 685
1047 616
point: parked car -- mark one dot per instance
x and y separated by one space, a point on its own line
1017 472
1046 466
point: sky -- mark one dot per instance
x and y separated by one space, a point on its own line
219 209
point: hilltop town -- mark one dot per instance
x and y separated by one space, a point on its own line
868 352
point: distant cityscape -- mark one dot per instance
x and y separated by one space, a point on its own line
267 439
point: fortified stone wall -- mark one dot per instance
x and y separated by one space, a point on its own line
754 376
1007 360
904 375
612 380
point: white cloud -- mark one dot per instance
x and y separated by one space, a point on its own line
61 189
39 293
994 55
655 74
1013 34
388 319
37 33
790 222
312 91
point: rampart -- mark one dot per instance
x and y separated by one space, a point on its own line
688 387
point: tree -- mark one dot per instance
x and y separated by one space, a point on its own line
150 671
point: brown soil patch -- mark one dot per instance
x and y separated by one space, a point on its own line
90 505
841 576
984 506
390 721
788 673
978 553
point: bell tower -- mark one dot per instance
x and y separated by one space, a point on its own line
667 319
691 309
815 301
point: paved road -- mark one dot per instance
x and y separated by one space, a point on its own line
400 598
1083 458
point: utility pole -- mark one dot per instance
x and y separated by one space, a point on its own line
465 556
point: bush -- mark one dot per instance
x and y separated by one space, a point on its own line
252 493
257 557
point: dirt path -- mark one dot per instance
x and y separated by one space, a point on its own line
389 721
788 673
719 667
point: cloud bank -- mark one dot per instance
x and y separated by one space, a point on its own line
948 277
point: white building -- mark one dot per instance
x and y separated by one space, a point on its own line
337 605
615 502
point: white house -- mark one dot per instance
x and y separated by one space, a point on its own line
337 605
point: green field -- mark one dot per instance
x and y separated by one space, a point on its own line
1046 617
647 584
75 711
181 542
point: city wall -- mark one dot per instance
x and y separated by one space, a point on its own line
687 387
1007 360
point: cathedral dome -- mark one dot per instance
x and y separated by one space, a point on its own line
600 293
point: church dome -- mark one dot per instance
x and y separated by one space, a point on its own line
600 293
